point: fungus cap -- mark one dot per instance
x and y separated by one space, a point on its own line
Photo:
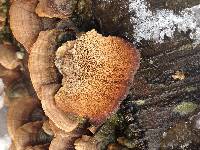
97 72
8 57
24 22
19 113
45 78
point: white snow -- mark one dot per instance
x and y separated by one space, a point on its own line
5 142
1 93
156 25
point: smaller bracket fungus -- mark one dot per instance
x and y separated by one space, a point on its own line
24 22
27 134
84 143
8 76
54 8
63 140
19 113
8 57
97 72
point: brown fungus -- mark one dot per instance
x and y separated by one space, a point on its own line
27 135
54 8
85 143
45 78
9 76
24 22
8 57
38 147
47 128
12 146
41 61
63 140
19 113
97 72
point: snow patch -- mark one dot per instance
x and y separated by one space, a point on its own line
1 93
156 25
5 142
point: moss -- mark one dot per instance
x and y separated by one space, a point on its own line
5 34
107 133
185 108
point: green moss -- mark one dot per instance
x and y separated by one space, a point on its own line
185 108
5 34
107 133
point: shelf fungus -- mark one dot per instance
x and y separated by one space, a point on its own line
45 79
9 76
63 140
24 22
24 128
97 72
19 113
27 135
8 57
54 8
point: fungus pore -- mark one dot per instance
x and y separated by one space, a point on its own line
97 72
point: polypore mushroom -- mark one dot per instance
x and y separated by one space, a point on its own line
8 57
54 8
45 78
12 146
27 135
24 23
63 140
8 75
41 61
85 143
46 127
97 72
19 113
38 147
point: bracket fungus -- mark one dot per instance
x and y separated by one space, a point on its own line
19 113
24 22
54 8
24 128
65 140
45 78
8 76
97 72
27 135
8 57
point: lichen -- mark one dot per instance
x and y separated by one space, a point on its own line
185 108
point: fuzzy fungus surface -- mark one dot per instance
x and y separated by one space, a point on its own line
96 71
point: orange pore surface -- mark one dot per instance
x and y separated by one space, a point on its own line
97 73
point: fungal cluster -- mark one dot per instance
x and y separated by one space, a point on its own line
79 80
